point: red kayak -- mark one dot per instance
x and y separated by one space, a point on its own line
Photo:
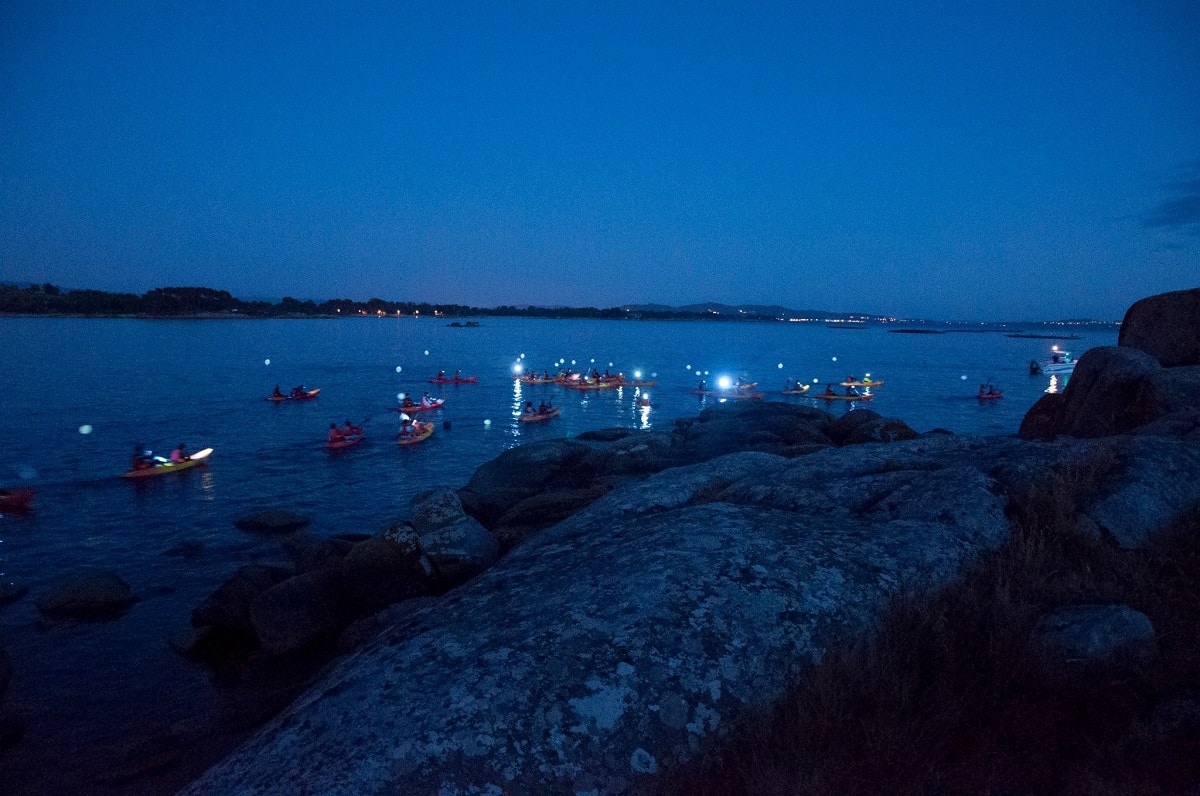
453 380
990 396
437 404
538 417
307 395
15 500
347 441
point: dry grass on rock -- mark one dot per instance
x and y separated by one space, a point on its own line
951 696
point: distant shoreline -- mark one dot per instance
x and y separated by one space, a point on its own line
201 303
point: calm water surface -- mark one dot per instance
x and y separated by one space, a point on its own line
204 382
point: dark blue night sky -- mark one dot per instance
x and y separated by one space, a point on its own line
960 160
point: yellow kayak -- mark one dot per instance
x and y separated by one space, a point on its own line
197 459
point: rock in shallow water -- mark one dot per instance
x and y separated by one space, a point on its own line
89 596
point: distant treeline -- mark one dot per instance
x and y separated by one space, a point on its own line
48 299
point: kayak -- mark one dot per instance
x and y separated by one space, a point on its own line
424 430
991 396
800 391
452 380
16 499
197 459
535 380
729 393
437 404
592 385
307 396
348 441
642 383
864 383
538 417
824 397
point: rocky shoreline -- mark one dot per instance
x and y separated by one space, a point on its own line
597 614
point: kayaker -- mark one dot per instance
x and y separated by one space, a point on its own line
528 408
335 433
702 386
829 390
179 454
407 403
351 430
441 375
138 462
787 385
543 408
426 400
407 429
852 391
298 392
278 393
457 377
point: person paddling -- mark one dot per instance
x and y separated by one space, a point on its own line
139 462
179 454
351 430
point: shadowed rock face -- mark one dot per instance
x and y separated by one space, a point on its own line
1166 326
624 640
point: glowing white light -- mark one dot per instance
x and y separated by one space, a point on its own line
706 373
724 382
780 366
698 373
815 381
85 429
266 362
867 376
654 375
610 364
487 422
835 359
572 362
517 368
964 378
399 368
426 352
687 367
637 374
593 360
521 357
400 396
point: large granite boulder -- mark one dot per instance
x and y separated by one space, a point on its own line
770 427
385 569
456 544
228 607
521 473
630 638
297 612
1104 396
92 595
1166 326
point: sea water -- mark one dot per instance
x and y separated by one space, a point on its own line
79 394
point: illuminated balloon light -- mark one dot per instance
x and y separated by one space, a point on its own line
706 373
964 378
697 373
593 360
687 367
398 368
266 362
572 362
487 422
521 357
426 352
517 368
835 359
654 375
780 366
815 381
724 382
400 396
85 429
610 364
637 374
